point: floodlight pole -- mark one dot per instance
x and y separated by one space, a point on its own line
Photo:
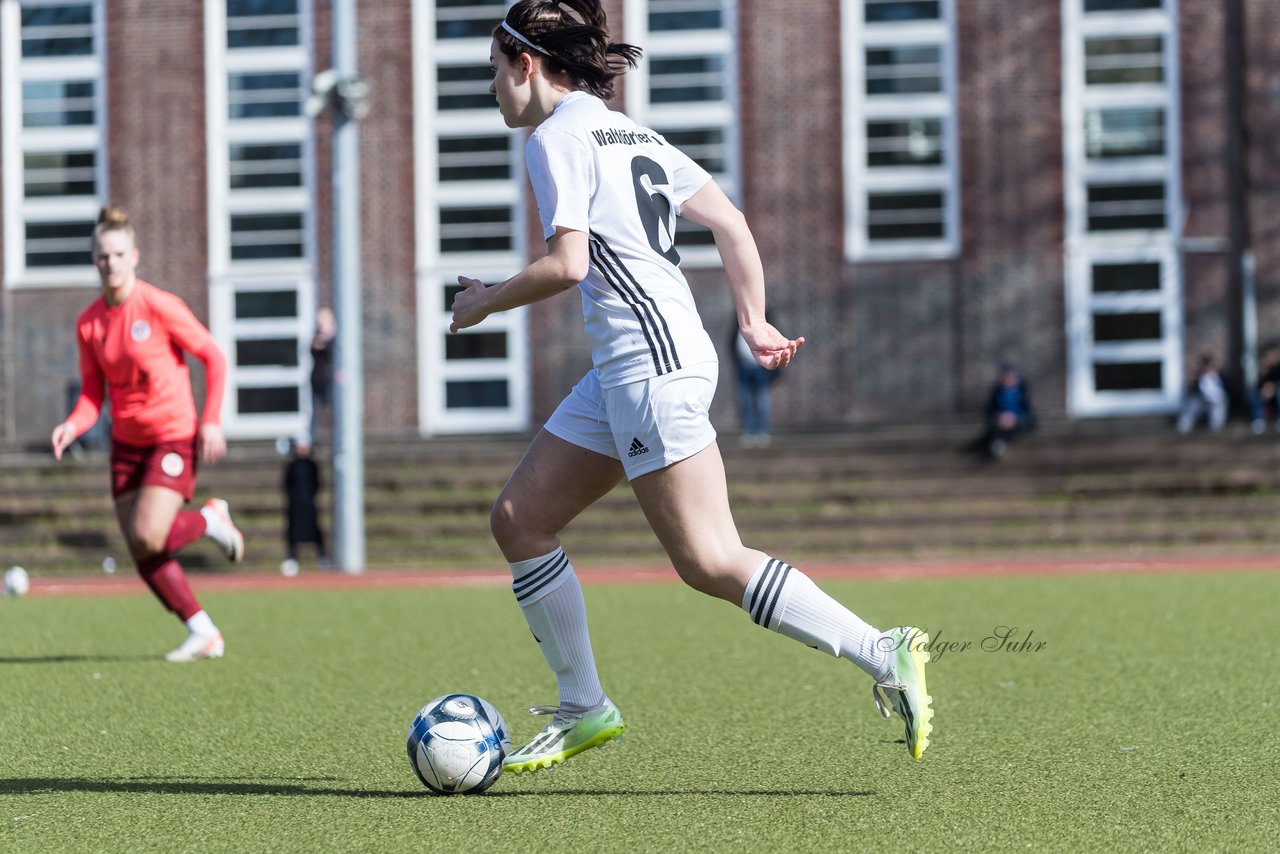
348 403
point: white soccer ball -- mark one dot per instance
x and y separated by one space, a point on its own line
16 581
457 743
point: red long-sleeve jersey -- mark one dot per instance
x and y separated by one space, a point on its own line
135 350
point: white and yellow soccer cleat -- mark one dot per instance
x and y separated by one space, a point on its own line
566 736
902 689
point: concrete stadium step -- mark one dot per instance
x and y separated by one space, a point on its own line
810 497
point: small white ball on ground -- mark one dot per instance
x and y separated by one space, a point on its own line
16 581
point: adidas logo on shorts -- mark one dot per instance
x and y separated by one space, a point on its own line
637 448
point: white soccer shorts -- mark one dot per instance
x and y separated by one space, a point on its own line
648 424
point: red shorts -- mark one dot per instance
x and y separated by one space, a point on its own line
170 464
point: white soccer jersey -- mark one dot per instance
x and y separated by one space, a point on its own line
596 171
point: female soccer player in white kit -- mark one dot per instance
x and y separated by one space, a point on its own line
608 191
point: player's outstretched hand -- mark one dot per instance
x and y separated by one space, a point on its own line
211 444
468 304
771 348
63 435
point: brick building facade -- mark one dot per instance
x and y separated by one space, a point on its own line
1088 188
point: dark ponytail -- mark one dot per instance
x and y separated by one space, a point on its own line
570 37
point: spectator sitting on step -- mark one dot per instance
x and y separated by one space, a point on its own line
1265 406
1009 412
1206 398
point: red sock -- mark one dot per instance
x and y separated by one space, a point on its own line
188 526
166 579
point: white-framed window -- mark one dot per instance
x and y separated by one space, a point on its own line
686 88
901 159
264 329
1124 343
261 201
1123 206
53 111
470 210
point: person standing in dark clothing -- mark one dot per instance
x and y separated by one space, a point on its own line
322 367
301 485
754 396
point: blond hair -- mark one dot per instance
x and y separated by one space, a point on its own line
113 217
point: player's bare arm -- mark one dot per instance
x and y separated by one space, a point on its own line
563 267
711 208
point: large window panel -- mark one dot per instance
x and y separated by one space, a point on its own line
1124 278
60 173
1123 60
1122 132
464 87
470 216
467 19
53 109
686 79
906 216
898 11
58 103
475 158
59 244
901 175
475 229
1122 188
1123 207
1128 376
260 236
906 142
57 30
904 70
678 15
1091 6
686 90
263 24
258 165
262 245
264 94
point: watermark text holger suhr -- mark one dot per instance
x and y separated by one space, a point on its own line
1001 639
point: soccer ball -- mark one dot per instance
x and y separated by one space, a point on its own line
457 743
16 582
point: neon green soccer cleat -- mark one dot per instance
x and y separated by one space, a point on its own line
904 685
566 736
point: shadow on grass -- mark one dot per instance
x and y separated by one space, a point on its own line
299 786
63 659
189 786
683 793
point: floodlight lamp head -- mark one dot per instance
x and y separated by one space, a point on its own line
353 97
322 91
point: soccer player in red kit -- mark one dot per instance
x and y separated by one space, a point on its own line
132 341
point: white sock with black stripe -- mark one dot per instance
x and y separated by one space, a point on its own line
784 599
550 596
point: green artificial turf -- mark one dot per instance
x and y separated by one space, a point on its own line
1148 720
